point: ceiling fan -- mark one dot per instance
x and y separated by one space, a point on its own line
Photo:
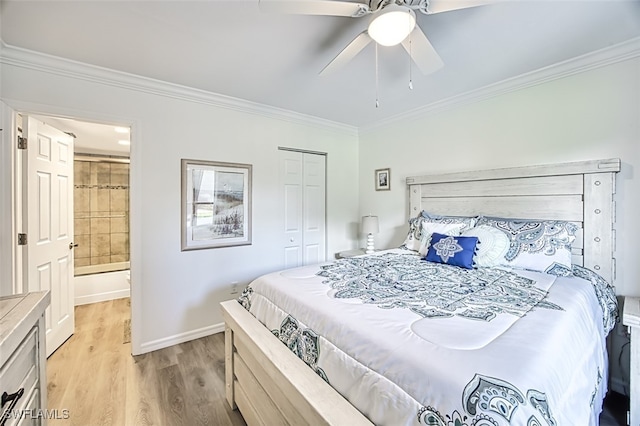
394 22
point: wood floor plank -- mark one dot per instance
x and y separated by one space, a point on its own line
95 377
142 395
107 406
58 378
172 397
202 381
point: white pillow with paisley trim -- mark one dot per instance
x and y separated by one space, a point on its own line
414 237
467 222
537 245
492 246
412 241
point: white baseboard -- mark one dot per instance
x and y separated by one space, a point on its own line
101 297
176 339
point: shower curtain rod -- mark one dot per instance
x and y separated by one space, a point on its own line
101 158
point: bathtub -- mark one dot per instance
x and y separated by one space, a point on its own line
99 283
97 269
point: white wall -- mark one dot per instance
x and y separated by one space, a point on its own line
175 294
591 115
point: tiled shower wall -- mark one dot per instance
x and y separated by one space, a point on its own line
101 207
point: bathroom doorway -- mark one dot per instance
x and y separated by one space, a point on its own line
101 210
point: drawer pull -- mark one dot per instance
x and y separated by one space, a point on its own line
14 397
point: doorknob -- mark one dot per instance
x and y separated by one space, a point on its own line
72 245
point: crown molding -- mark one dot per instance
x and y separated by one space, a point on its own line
29 59
37 61
621 52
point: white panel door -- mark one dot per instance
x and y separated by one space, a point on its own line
291 189
49 225
302 180
313 209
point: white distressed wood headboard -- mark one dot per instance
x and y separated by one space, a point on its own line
579 192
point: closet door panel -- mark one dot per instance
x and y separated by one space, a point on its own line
314 208
303 195
292 192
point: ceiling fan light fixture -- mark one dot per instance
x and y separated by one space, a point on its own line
392 25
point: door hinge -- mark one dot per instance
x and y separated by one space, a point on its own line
22 142
22 239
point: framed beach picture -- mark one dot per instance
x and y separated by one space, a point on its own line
383 179
216 204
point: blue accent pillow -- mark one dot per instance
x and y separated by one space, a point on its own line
452 250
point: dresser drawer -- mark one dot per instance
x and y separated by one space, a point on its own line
21 370
32 415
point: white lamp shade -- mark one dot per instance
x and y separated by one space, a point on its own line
370 225
392 25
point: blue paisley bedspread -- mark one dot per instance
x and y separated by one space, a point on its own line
409 342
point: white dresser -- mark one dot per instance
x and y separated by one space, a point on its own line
23 381
631 318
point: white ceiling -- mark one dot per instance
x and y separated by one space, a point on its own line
231 48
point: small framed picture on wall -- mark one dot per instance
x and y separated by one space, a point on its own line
383 179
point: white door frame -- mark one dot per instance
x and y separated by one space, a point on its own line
135 176
8 281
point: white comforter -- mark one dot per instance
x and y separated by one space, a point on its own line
500 349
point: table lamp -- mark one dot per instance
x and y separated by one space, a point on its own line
370 227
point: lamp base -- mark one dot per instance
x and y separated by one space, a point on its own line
369 249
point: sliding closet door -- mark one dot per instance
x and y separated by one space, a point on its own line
291 190
313 201
302 177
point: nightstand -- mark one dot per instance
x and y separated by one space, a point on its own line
631 318
350 253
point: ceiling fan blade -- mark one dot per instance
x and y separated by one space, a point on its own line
315 7
422 52
437 6
348 53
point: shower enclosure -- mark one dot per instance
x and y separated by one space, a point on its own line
101 214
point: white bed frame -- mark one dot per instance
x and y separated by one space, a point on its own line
270 385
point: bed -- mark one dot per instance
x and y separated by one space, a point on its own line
530 348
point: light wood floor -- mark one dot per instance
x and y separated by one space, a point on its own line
94 376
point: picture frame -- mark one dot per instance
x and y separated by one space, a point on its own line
216 204
383 179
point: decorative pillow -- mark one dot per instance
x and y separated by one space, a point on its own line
414 237
412 242
428 228
467 222
543 245
452 250
492 247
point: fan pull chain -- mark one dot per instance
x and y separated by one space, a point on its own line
377 88
410 65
